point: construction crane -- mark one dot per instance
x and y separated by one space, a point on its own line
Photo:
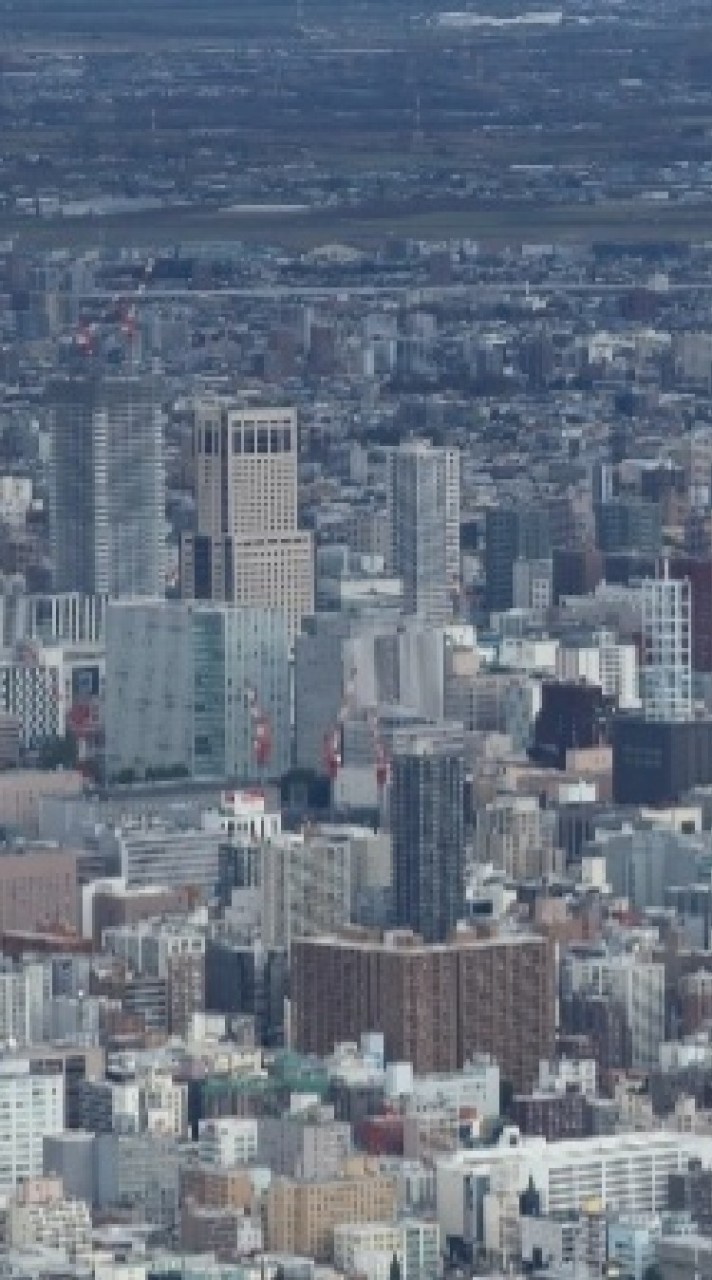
331 754
382 767
333 741
84 340
260 730
380 756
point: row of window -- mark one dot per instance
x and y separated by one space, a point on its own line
248 440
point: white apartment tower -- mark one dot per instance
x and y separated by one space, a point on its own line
424 519
107 485
248 548
31 1107
667 656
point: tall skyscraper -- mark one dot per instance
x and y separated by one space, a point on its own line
107 485
248 548
667 647
424 519
427 826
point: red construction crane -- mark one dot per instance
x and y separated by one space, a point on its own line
379 754
331 752
332 744
261 732
382 766
128 322
85 340
262 741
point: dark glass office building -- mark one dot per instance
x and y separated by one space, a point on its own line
656 761
427 823
511 534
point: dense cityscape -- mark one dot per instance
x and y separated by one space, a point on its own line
355 640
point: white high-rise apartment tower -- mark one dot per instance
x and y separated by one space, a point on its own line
248 548
107 485
667 656
31 1108
424 518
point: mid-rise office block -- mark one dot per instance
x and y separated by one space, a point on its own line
415 1244
554 1116
656 761
248 548
695 1002
169 952
38 888
117 904
576 571
69 1156
300 1217
74 1064
39 1217
511 534
227 1233
628 525
684 1258
290 886
603 661
512 828
635 985
690 1190
628 1172
356 1245
150 853
63 618
141 1172
437 1006
573 716
216 1187
310 1144
186 687
107 485
248 978
32 693
228 1141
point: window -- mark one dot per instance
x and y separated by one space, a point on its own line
263 440
237 442
249 440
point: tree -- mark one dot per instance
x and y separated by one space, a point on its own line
395 1269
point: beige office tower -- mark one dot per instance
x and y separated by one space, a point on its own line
248 548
